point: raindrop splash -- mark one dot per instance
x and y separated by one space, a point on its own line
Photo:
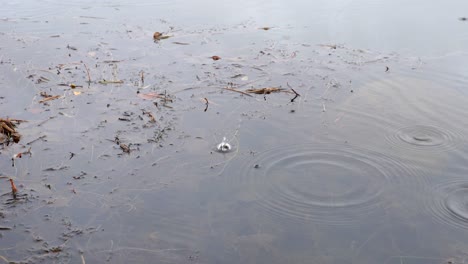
224 146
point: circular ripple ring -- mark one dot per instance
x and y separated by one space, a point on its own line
323 183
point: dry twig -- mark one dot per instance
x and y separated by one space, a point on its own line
206 108
49 98
237 91
296 95
267 90
87 71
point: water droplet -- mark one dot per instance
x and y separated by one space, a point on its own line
224 146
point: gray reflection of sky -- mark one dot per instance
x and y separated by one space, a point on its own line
421 27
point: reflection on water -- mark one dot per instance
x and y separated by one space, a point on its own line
360 159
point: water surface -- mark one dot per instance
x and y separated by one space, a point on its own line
367 165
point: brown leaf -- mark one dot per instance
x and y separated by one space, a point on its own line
14 190
124 148
158 36
216 57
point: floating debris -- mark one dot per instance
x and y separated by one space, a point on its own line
48 97
110 82
71 47
20 155
158 36
206 104
215 58
125 148
267 90
237 91
14 190
7 128
296 94
330 46
42 79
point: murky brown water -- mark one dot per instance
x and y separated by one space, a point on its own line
367 165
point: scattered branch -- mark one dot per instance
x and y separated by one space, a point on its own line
37 139
267 90
237 91
110 82
49 98
20 155
87 71
295 93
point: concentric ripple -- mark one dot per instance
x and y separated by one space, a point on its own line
422 137
328 184
449 204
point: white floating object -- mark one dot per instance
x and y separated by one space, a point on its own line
224 146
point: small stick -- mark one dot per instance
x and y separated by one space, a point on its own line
43 122
87 71
323 107
206 108
27 152
14 190
165 96
142 75
49 98
237 91
37 139
110 82
296 95
20 155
